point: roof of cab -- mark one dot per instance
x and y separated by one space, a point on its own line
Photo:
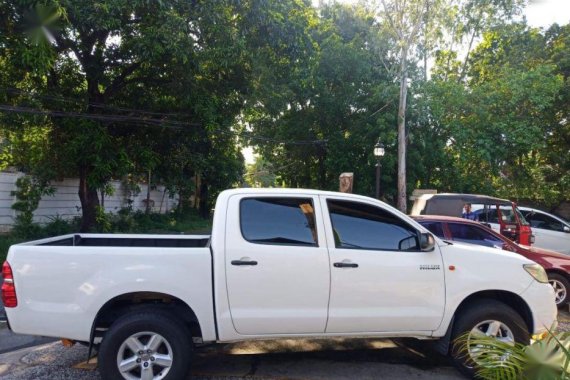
285 190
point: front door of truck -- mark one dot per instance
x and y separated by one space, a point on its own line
277 267
380 280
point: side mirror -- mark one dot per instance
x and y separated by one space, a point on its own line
566 229
427 242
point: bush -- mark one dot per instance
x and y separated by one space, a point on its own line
59 226
125 221
5 242
28 193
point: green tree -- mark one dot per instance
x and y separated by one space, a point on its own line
179 61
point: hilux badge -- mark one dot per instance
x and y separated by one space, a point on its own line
429 267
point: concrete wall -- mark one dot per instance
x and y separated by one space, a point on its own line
65 201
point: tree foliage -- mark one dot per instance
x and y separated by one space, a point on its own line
120 89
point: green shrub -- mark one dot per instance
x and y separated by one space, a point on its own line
5 242
29 191
59 226
124 221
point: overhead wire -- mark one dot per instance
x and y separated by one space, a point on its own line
170 124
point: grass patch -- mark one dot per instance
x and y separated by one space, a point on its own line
124 221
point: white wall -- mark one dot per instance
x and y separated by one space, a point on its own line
65 201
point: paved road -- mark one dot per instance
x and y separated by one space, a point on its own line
340 359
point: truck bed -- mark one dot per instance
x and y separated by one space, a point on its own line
126 240
62 282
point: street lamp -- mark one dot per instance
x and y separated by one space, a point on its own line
378 153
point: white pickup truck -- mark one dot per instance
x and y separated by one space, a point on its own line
280 263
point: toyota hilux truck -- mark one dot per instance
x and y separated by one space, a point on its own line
279 263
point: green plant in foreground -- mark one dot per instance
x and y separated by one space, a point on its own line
546 359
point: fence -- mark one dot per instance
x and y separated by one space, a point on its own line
65 201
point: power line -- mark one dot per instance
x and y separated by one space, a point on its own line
98 117
169 124
80 102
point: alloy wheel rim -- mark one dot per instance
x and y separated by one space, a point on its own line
559 290
144 356
489 328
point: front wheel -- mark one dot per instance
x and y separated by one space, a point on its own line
561 288
145 346
484 318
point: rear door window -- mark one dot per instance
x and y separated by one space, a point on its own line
282 221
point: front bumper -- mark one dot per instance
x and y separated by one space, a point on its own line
540 299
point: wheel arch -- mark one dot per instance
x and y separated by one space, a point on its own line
560 272
128 302
511 299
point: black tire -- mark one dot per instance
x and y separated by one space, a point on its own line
477 312
157 321
561 281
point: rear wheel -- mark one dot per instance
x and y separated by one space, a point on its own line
561 288
484 317
146 346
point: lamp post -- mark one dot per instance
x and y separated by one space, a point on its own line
378 153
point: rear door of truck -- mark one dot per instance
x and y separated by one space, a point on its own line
277 266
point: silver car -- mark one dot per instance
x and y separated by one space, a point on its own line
550 231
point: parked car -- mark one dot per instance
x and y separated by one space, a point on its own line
280 263
501 215
550 231
557 265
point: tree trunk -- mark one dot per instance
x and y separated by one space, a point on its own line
322 169
89 202
466 61
401 198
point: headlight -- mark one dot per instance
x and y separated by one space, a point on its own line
537 272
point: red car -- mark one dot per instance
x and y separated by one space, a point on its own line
557 265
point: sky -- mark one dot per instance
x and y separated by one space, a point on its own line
539 13
543 13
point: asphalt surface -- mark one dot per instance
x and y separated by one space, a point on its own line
289 359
